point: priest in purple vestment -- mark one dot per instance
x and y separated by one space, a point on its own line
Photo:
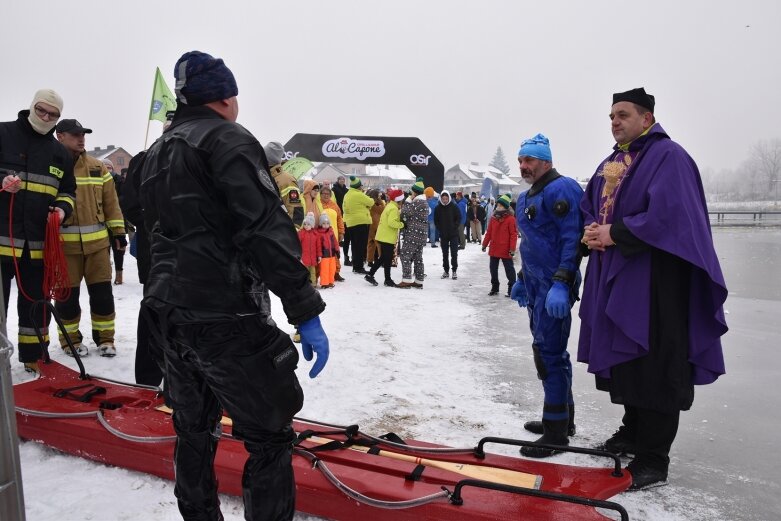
652 308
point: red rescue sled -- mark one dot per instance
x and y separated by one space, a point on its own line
361 478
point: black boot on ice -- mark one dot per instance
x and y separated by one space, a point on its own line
535 426
555 433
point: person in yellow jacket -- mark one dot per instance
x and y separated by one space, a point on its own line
85 237
357 220
387 237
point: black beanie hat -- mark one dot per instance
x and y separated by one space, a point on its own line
201 79
636 96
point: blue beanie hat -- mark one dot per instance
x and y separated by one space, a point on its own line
538 147
201 79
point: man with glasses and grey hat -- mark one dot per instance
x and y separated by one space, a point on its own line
37 177
218 231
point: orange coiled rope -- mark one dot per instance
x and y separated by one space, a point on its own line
56 284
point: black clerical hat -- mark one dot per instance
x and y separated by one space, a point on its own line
637 96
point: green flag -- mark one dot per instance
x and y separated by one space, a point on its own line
162 99
297 167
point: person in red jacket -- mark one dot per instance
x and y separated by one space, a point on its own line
311 246
501 238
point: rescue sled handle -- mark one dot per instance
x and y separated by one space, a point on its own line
480 453
456 498
480 472
320 465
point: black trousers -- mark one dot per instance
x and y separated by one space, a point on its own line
149 354
450 246
653 433
348 235
386 260
119 255
359 240
509 271
247 367
31 281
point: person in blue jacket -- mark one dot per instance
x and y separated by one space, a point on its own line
461 205
433 201
551 227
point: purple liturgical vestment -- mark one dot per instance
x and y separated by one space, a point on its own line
660 200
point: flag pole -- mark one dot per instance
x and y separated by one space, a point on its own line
151 104
146 136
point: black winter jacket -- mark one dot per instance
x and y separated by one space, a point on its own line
217 225
447 218
130 203
46 169
475 211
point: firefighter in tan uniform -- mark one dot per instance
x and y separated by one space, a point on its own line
86 243
288 187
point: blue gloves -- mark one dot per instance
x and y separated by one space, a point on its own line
313 339
557 302
518 293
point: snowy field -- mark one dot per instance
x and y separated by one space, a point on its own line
451 364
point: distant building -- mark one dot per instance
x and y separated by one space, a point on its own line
329 172
371 176
470 177
117 155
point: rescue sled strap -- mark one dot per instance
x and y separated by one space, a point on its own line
373 447
393 440
84 397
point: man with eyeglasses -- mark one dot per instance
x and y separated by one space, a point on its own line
37 178
87 243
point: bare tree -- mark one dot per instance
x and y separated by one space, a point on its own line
766 166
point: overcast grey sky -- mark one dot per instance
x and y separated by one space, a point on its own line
463 76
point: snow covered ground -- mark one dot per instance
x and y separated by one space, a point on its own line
450 364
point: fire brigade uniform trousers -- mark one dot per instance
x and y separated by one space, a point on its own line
95 269
30 317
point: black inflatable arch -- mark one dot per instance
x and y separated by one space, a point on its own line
370 150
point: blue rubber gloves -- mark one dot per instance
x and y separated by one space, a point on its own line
518 293
557 301
313 339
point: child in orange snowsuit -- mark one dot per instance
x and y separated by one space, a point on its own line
329 251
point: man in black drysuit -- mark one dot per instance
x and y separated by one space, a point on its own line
218 231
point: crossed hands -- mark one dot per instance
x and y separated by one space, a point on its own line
597 236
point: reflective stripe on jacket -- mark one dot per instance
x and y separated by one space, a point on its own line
96 211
